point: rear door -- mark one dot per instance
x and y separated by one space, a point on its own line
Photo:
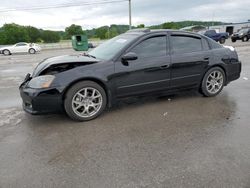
190 58
150 72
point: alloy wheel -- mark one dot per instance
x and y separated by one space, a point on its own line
87 102
214 82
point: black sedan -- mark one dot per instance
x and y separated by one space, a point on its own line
139 62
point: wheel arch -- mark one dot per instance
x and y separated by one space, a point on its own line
96 80
7 49
216 65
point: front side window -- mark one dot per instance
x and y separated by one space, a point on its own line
151 47
185 44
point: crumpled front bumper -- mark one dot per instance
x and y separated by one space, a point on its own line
41 101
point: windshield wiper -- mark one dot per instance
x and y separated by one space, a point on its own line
88 55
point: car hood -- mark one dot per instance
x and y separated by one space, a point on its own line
79 60
236 33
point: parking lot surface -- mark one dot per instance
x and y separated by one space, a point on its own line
184 140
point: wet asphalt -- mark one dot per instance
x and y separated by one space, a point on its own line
183 140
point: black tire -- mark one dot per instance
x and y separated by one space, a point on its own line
222 40
6 52
74 90
204 88
32 51
245 39
233 40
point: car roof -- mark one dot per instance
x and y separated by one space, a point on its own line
145 31
22 43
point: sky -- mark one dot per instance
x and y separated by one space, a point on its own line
148 12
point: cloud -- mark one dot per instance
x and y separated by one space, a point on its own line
143 11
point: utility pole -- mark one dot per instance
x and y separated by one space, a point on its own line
130 19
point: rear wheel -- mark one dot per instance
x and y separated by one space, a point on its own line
222 40
6 52
213 82
85 101
32 51
233 40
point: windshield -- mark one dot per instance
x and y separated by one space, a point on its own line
110 48
243 31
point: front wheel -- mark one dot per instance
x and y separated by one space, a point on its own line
233 40
245 39
213 82
85 101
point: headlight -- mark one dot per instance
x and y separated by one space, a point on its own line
41 81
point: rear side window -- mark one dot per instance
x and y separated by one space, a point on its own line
214 44
205 44
185 44
151 47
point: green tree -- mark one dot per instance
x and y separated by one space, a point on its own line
2 37
13 33
101 32
141 26
50 36
170 25
112 32
73 30
33 33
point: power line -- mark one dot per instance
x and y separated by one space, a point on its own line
64 5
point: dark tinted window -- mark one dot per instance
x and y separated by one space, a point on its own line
186 44
152 47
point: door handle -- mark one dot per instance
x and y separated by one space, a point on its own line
206 58
165 66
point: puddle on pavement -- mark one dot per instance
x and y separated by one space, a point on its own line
11 116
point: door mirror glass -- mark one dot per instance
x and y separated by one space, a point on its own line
130 56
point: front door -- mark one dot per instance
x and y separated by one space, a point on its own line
149 73
21 48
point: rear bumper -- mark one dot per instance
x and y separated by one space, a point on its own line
233 71
41 101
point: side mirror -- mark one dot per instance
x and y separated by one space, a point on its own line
130 56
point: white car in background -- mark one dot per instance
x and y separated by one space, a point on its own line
21 47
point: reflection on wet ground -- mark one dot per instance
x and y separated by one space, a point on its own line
182 140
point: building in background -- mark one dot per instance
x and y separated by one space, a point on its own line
231 28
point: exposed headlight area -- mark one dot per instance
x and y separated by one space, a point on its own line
40 82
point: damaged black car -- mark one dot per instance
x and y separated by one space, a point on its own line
139 62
